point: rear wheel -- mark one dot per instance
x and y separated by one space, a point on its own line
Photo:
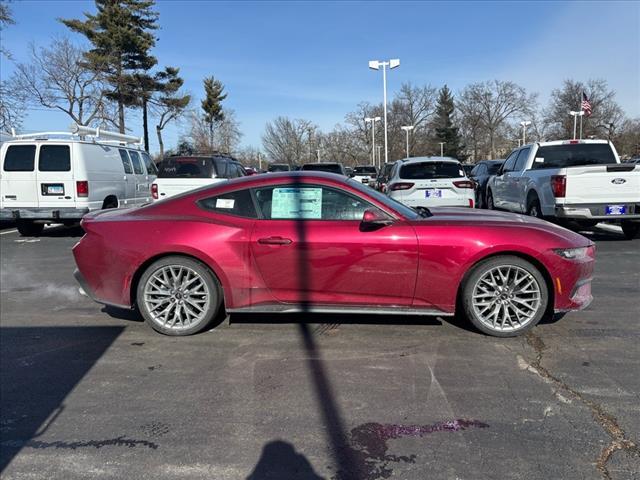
490 204
631 229
505 296
29 229
533 208
178 296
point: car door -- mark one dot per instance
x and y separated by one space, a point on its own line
130 179
514 186
309 248
143 185
501 180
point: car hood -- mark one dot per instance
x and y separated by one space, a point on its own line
494 218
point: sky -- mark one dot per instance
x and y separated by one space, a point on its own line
310 59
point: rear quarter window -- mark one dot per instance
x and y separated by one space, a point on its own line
20 158
238 203
137 163
151 167
54 158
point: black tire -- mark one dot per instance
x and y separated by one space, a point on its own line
631 229
211 286
110 203
490 204
474 277
533 208
29 229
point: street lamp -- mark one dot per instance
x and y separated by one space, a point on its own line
524 124
575 116
375 65
378 147
372 121
407 129
442 148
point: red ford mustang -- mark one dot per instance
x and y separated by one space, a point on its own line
310 241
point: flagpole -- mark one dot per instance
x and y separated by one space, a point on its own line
581 114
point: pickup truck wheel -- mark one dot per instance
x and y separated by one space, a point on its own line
29 229
630 229
178 296
490 204
505 296
533 209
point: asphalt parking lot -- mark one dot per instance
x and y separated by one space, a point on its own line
88 392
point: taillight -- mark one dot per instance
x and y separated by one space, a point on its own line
154 190
471 203
400 186
464 184
559 185
82 188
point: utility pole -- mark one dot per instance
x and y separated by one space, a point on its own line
375 65
407 129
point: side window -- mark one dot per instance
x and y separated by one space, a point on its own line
483 169
151 167
522 159
20 158
310 202
237 203
137 163
231 169
240 169
510 162
221 167
475 171
54 158
126 163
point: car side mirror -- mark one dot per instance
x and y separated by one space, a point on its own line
373 219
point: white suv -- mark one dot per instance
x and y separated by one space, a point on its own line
431 182
58 180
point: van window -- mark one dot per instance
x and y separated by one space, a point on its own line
20 158
137 163
151 167
126 163
54 158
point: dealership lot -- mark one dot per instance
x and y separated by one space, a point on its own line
94 393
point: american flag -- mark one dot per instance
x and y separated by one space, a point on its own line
586 105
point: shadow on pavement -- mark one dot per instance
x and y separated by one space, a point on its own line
40 367
280 461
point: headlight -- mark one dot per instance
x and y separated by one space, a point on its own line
572 253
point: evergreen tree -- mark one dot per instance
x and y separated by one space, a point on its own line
120 33
443 126
212 103
169 103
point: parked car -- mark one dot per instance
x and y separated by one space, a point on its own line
250 171
481 174
467 167
383 177
348 171
366 174
315 242
331 167
179 174
578 180
49 178
431 182
279 167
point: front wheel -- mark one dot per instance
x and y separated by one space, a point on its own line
505 296
178 296
29 229
490 204
631 229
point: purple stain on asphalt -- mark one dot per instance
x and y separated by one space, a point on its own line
369 450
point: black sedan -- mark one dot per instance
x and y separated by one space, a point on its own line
481 173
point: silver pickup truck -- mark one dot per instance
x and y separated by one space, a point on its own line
578 180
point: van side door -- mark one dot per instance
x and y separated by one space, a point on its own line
143 185
130 180
19 185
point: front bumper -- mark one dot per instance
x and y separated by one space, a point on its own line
45 213
596 211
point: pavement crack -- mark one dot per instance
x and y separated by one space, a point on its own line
619 439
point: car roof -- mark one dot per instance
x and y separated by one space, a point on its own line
488 162
428 159
566 142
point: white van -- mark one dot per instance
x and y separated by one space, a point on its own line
57 180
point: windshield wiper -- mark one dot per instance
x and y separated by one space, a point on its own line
423 212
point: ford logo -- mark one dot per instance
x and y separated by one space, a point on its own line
618 181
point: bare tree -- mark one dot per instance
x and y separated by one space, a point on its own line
496 102
285 140
11 107
57 78
627 138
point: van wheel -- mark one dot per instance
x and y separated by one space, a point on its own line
29 229
110 202
630 229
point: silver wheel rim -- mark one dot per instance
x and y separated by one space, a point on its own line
176 297
506 298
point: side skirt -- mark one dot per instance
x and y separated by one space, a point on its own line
290 308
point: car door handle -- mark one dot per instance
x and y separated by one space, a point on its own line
274 241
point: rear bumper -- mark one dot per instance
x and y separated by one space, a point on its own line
45 213
91 294
597 211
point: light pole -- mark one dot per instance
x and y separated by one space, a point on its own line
375 65
575 116
372 121
442 148
407 129
524 124
378 147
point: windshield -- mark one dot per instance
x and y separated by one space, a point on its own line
401 208
573 155
365 170
323 167
187 167
427 170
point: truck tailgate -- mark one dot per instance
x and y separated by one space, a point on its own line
617 183
168 187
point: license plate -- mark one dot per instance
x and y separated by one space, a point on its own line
433 193
365 180
55 190
616 210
